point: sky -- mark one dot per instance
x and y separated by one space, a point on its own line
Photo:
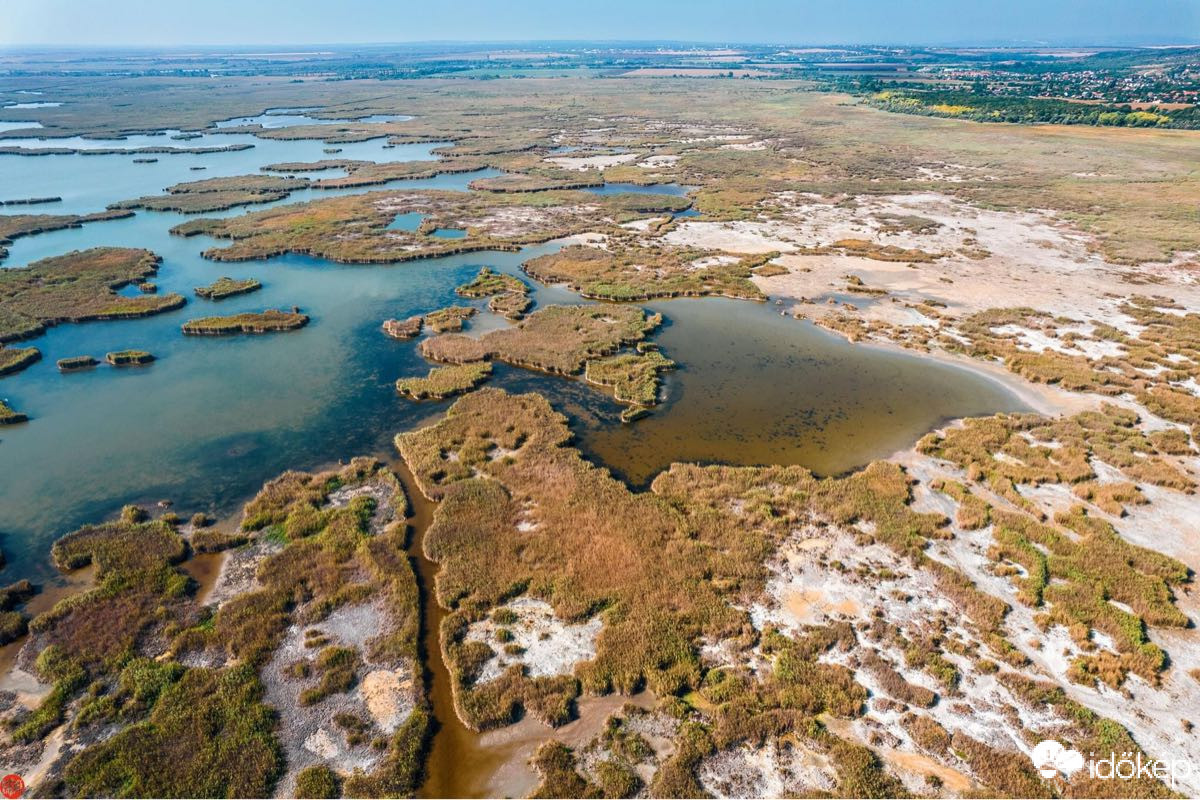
165 23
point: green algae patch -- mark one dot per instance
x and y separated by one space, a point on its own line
227 287
509 295
556 339
443 382
129 358
448 319
403 328
268 321
77 287
76 363
630 272
15 359
633 377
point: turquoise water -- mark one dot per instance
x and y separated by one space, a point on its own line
213 418
16 125
409 221
449 233
89 183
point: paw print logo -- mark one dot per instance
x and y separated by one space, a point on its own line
1051 759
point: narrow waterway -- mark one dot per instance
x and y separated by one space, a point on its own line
462 762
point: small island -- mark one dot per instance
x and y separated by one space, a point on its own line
76 363
449 319
443 382
403 329
633 377
129 358
217 194
10 417
509 295
30 201
267 321
227 287
15 359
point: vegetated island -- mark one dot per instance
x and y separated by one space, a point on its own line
227 287
30 201
267 321
217 194
129 358
372 173
633 377
76 363
443 382
557 339
10 417
522 182
448 319
403 328
509 295
15 359
13 150
77 287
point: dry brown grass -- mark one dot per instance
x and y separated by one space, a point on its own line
443 382
634 272
555 339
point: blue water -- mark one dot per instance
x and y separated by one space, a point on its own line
407 222
16 126
449 233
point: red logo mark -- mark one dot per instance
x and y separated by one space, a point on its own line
12 787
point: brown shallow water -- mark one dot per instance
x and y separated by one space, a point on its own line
782 391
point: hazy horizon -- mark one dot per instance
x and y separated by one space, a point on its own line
275 23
